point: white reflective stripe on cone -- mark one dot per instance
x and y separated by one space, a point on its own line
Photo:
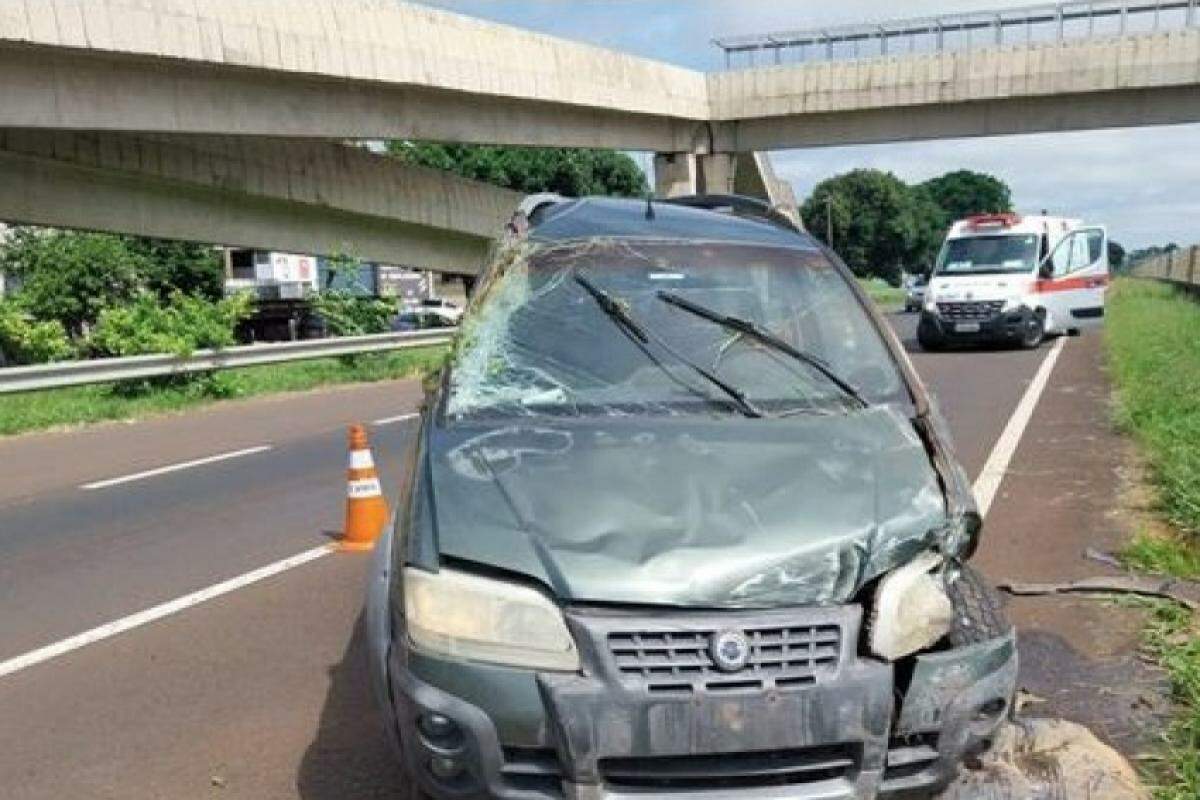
361 459
365 487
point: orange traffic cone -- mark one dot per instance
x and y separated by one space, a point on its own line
366 510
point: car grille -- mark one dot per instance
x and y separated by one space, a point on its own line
970 310
733 770
679 661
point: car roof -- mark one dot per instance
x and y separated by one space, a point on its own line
610 217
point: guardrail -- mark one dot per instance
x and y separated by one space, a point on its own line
104 370
1180 266
1041 23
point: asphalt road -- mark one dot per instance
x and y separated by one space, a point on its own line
262 693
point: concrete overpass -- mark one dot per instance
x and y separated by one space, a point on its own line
383 69
293 72
305 196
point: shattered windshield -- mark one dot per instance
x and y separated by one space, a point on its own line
536 341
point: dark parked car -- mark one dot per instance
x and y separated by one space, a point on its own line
680 520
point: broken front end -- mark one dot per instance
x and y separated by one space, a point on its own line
613 577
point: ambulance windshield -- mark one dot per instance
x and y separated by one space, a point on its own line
989 255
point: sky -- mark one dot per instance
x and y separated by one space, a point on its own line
1143 183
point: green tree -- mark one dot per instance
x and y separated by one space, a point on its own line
69 276
962 193
570 172
1116 256
171 266
880 225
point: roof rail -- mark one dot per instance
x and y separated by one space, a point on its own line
736 205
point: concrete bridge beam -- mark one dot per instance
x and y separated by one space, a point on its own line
299 196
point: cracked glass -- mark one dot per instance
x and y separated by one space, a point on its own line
536 342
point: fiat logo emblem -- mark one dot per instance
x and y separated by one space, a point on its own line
730 650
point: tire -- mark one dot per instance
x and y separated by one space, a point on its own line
978 611
1034 332
929 340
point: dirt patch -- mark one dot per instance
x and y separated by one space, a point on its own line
1047 760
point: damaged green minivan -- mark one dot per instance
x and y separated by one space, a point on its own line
681 521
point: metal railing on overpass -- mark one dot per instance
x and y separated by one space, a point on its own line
1024 25
1181 266
105 370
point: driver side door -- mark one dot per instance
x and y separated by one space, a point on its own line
1073 279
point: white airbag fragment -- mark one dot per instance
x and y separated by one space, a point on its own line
912 610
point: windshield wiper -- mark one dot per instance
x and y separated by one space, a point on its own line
641 337
767 338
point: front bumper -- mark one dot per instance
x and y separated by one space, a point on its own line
858 729
1007 327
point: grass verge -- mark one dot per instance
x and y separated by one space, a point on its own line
1152 332
30 411
1170 638
883 294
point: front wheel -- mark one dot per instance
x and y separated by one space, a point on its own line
978 610
929 338
1033 331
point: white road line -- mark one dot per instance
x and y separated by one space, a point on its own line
150 473
400 418
1002 453
110 629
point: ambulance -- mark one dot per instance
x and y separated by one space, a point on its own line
1012 279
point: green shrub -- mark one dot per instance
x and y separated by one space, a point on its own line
348 315
24 340
182 325
69 276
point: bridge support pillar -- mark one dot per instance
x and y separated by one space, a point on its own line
675 175
747 174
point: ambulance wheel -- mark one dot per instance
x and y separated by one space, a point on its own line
929 338
1033 330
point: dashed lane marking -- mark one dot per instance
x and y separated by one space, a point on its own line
150 473
391 420
118 626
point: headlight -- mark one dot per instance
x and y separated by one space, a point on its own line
466 616
930 304
911 610
1011 304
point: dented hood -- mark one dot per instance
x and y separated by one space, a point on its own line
720 512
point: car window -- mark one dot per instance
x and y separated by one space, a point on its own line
538 342
1079 250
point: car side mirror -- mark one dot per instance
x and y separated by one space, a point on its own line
1046 271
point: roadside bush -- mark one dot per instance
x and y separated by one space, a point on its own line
180 326
69 276
24 340
346 314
